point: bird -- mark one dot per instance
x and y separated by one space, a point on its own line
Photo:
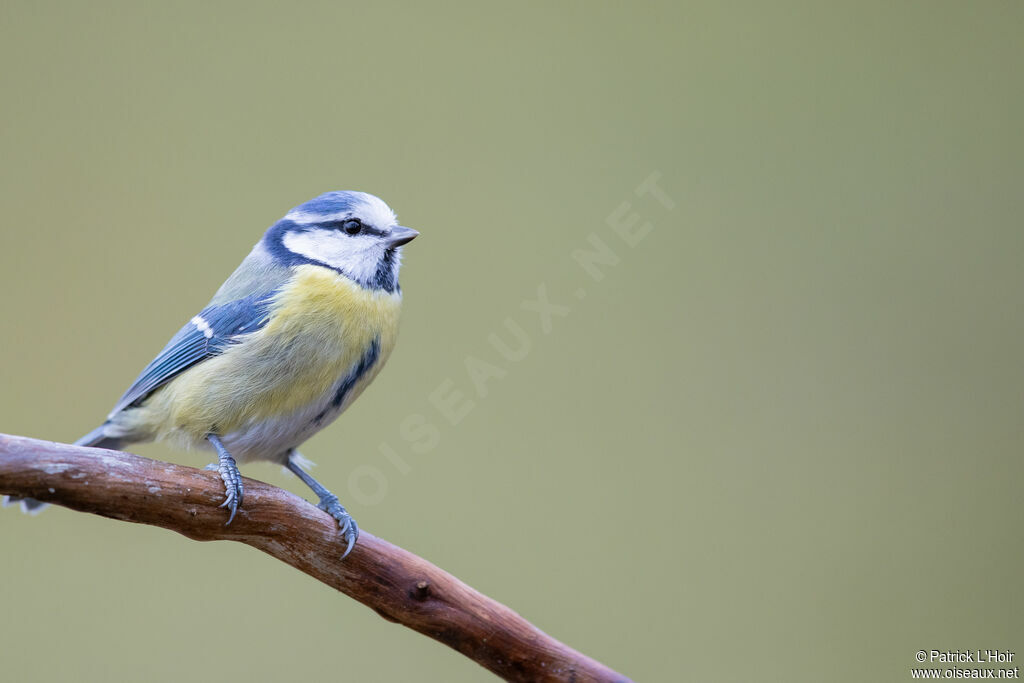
287 343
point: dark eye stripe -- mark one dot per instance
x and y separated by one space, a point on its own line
364 228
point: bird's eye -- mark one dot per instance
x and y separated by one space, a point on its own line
352 226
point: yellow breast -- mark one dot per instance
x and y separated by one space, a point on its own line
321 325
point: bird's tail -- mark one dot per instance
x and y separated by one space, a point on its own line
98 438
95 438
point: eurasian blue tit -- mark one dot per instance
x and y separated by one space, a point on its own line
286 344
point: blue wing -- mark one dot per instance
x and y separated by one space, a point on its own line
206 335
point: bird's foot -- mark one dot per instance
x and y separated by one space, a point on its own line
328 501
349 529
231 477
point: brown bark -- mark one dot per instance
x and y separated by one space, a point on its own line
398 585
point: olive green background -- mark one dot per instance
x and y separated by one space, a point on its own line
780 440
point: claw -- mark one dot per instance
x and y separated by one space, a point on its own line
347 526
351 536
231 504
231 477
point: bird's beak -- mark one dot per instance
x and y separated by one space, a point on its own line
400 235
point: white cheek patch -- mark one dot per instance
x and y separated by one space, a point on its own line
355 255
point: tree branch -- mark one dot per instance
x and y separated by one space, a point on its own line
400 586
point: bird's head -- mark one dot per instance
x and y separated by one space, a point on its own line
353 233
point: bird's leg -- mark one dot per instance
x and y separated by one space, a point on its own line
229 474
328 502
